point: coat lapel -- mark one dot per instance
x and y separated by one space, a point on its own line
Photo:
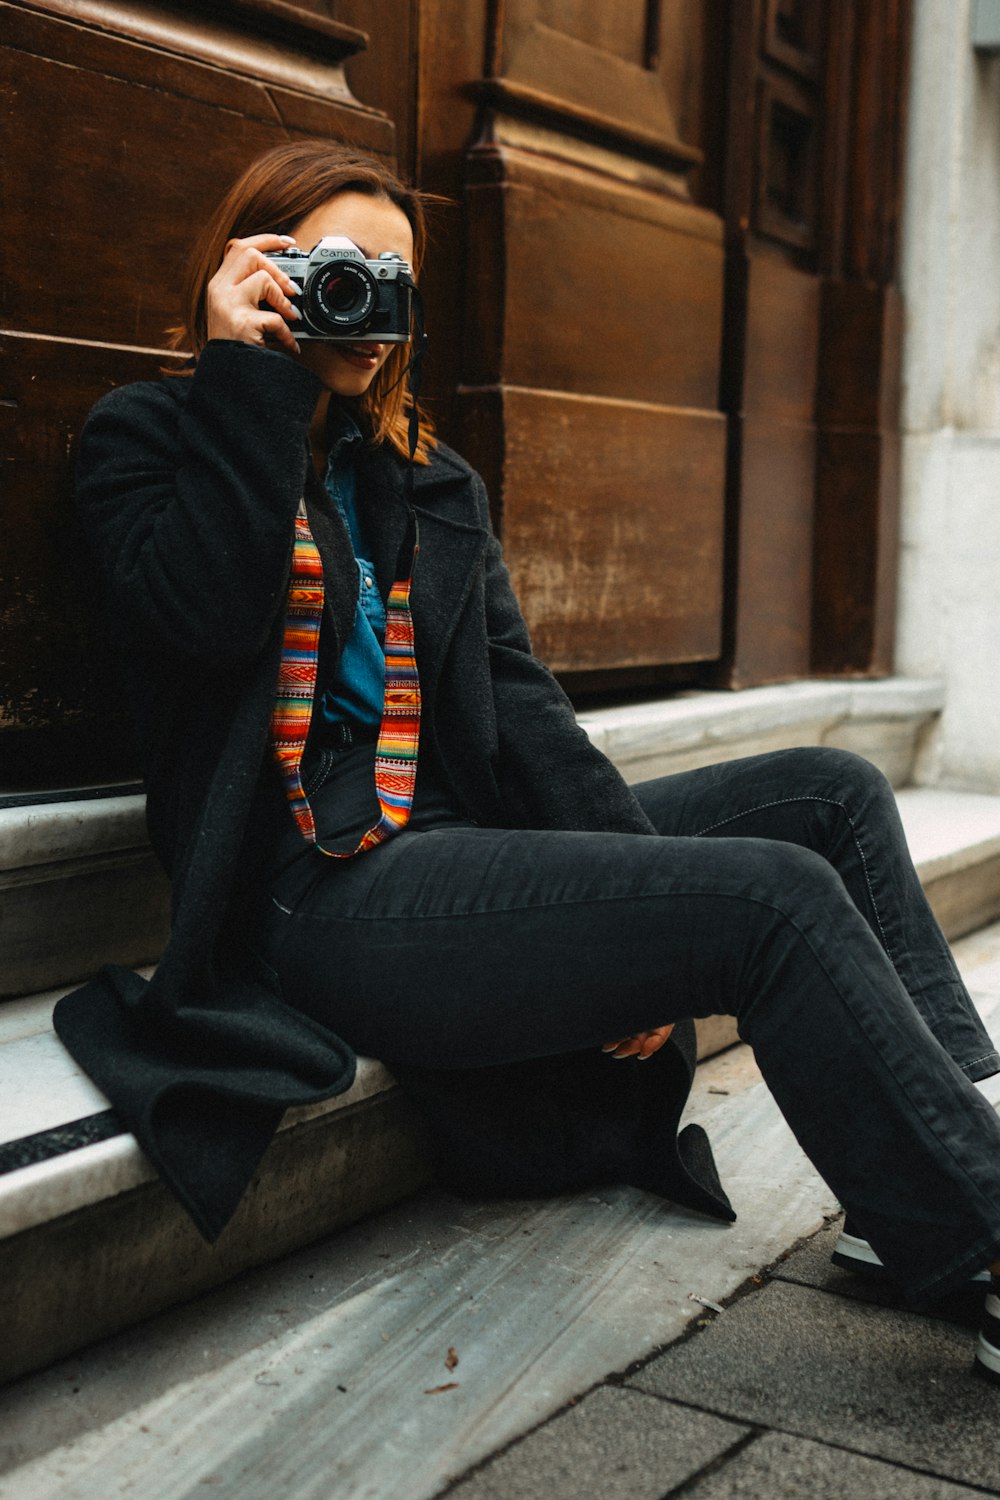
334 543
450 548
383 514
446 568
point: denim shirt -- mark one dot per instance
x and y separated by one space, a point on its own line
357 693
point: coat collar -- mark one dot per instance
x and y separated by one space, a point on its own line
451 541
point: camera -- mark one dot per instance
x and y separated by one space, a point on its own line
344 296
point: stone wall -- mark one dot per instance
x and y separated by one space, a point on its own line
949 619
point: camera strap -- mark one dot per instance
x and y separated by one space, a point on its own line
398 742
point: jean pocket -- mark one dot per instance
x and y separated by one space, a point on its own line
317 773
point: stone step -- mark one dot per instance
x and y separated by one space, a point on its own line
954 838
886 721
334 1373
91 1240
79 885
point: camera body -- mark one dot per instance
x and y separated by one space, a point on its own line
347 298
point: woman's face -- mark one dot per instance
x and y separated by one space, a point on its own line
374 225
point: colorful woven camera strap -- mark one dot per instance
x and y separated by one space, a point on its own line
399 733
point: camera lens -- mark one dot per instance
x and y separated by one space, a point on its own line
342 297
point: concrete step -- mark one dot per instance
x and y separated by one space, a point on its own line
79 885
91 1240
334 1374
954 838
885 721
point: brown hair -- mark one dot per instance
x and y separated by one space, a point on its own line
274 193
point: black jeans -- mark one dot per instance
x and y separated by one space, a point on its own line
780 891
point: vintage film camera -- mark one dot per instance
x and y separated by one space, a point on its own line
345 297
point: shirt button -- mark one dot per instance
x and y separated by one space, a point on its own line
368 582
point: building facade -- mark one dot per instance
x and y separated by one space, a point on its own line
949 620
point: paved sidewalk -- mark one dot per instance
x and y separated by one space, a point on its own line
810 1382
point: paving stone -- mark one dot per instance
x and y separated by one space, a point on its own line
778 1466
616 1443
892 1384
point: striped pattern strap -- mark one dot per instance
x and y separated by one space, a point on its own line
399 733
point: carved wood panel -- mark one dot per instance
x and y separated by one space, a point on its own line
612 515
594 307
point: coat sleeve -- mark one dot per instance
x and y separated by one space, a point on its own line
550 774
188 503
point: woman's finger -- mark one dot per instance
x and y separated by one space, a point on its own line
623 1042
242 311
654 1040
247 262
642 1044
262 287
264 242
274 327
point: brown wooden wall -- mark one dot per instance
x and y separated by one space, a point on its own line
661 299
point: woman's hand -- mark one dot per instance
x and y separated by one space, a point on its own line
245 279
643 1044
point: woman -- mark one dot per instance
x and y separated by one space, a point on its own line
276 564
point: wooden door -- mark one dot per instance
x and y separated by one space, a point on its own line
661 295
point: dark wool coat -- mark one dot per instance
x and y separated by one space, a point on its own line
187 490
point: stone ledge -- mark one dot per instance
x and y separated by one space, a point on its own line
954 838
44 1090
79 887
76 1226
62 920
104 1265
55 832
881 720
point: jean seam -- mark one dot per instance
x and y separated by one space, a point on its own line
500 911
972 1061
828 802
320 773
